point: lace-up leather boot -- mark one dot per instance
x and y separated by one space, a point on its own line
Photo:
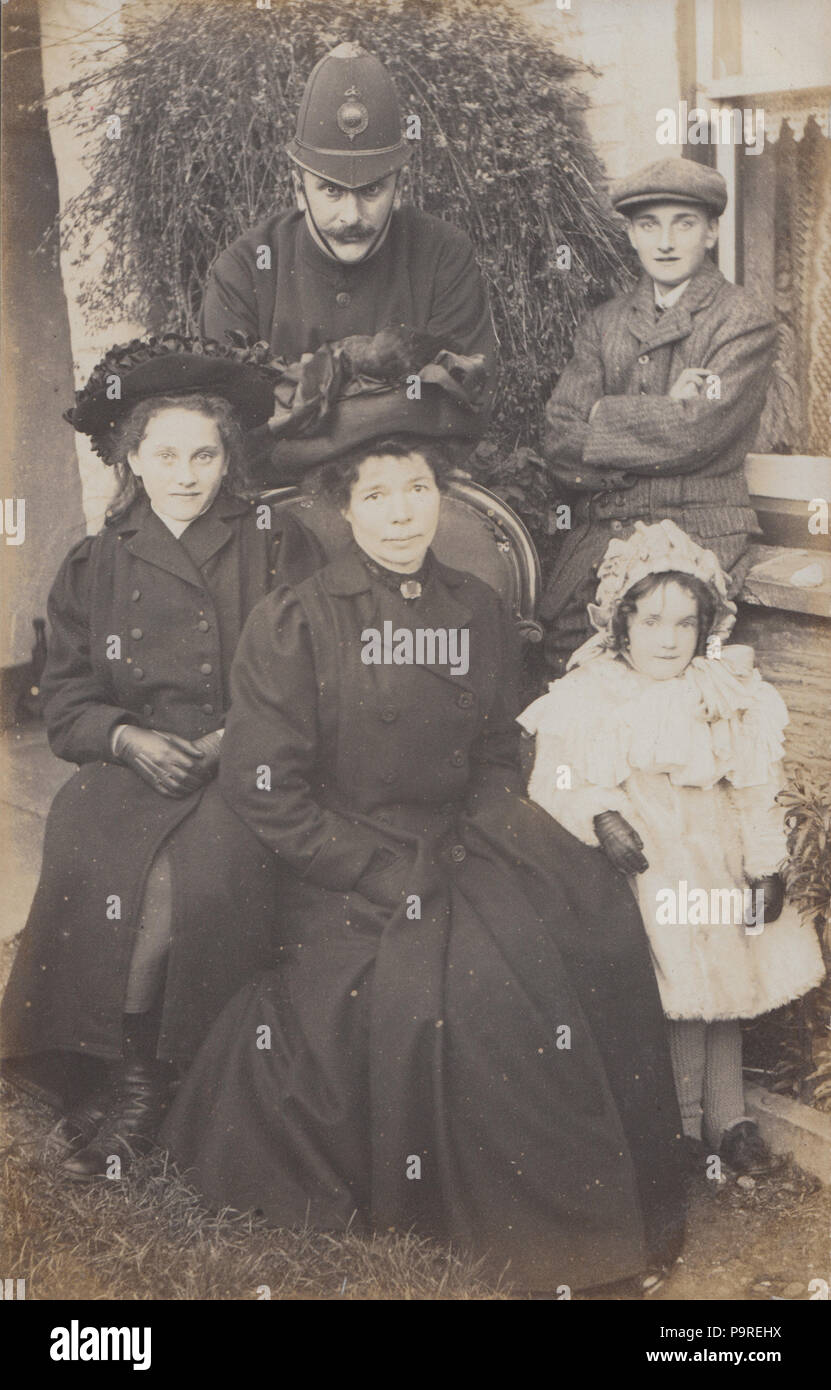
139 1097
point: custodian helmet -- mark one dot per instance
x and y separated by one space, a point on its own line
349 123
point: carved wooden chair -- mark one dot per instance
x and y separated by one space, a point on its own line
478 532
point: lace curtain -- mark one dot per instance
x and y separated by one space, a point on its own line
794 181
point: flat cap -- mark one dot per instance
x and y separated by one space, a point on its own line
671 180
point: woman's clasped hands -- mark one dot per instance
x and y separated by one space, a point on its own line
173 766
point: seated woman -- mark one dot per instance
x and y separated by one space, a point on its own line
464 1035
155 901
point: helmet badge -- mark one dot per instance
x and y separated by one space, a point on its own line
352 116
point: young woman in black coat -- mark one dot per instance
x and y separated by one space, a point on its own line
155 902
463 1035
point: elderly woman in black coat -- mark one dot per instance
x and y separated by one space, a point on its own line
155 902
463 1035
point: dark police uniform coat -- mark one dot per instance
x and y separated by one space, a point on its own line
142 631
613 435
428 1032
424 275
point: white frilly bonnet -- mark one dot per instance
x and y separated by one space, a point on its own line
653 549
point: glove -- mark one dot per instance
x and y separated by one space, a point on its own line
774 895
620 843
171 765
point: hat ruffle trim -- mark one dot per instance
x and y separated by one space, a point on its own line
309 390
123 359
717 720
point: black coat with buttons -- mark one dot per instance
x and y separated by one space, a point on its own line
400 1068
143 627
343 737
275 283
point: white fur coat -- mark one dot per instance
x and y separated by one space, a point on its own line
694 765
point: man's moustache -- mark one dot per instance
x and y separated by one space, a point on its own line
353 234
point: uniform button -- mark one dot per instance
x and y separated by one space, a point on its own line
203 625
465 700
206 668
458 854
138 674
457 758
343 298
147 709
389 713
617 525
644 358
207 709
136 633
136 595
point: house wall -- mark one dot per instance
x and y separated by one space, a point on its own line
641 48
770 46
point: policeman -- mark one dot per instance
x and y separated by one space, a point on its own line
349 259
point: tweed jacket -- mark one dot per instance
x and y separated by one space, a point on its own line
613 436
610 427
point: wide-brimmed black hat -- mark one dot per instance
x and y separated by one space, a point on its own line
351 392
172 365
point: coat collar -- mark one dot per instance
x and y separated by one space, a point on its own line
653 331
147 537
443 605
347 574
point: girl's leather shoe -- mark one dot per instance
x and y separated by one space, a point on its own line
79 1125
744 1150
141 1090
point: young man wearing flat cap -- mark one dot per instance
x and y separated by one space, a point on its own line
660 403
349 259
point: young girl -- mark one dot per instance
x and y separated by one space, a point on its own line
665 748
154 902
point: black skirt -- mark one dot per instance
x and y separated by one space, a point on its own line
494 1072
67 986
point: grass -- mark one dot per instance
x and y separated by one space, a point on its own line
148 1236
